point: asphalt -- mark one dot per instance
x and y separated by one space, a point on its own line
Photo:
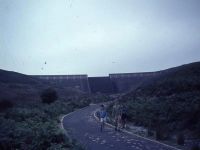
82 126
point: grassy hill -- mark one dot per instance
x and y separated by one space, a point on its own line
26 121
14 77
168 104
17 87
181 79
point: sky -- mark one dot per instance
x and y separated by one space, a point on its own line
98 37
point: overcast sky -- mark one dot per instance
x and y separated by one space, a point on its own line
98 37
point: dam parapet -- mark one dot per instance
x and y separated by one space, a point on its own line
114 83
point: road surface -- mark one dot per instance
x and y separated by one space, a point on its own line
83 127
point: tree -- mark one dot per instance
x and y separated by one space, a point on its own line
49 96
5 104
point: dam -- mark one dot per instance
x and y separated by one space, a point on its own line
79 82
111 84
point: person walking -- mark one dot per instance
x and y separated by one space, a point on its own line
123 116
102 117
116 114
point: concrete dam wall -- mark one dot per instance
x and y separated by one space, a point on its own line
114 83
79 82
101 85
124 82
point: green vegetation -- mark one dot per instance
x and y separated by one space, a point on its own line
195 147
30 112
35 125
166 114
5 104
168 106
180 139
49 96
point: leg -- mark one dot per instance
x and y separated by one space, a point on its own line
101 128
116 124
123 123
102 124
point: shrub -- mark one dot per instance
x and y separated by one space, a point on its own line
5 104
159 134
49 96
149 132
180 139
35 126
195 147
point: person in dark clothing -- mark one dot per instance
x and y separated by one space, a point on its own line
123 116
116 114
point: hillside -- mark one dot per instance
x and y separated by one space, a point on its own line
181 79
14 77
185 78
168 104
30 122
17 87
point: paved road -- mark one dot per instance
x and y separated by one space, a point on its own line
85 129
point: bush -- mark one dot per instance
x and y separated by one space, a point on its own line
5 104
159 135
195 147
180 139
49 96
150 133
34 127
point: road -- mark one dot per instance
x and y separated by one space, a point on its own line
83 127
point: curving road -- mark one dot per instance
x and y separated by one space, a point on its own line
83 127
